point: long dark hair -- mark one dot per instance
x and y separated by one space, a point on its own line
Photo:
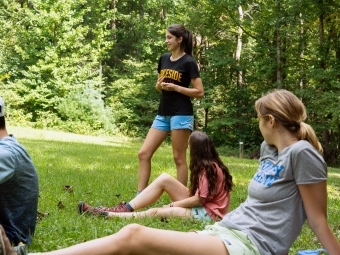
180 31
203 157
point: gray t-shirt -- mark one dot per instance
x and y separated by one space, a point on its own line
18 191
273 214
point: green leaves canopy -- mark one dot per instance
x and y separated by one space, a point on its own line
89 66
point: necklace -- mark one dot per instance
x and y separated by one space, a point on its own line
174 59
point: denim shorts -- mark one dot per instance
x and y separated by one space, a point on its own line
168 123
199 213
234 240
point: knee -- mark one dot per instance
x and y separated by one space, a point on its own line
179 159
144 155
164 178
129 233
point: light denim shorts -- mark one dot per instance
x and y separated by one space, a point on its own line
235 241
199 213
168 123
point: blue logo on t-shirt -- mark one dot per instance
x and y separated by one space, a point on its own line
267 173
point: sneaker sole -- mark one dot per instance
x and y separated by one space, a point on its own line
21 249
80 208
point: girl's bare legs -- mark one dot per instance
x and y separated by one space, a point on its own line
156 212
151 143
165 182
179 147
136 239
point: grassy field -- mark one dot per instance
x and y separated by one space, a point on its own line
103 171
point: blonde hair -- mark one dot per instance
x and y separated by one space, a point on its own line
288 110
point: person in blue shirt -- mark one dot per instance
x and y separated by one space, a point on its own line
18 187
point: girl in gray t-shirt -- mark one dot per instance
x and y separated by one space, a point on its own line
290 183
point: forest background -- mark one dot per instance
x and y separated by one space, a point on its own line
90 67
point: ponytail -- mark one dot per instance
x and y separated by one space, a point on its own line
307 133
187 42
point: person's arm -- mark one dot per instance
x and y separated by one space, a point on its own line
314 197
7 167
199 197
196 91
186 203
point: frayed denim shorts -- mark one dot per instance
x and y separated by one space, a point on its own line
168 123
199 213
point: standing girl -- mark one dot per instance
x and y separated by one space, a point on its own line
176 70
208 197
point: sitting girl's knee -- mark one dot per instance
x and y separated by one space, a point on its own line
130 230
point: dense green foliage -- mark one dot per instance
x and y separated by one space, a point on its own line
90 67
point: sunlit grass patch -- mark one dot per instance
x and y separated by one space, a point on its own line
104 171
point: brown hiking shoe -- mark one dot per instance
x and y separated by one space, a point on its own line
5 245
120 208
85 208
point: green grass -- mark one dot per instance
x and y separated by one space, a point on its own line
103 171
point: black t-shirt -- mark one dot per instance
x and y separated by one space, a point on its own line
179 72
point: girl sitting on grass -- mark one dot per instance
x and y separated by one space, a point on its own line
207 198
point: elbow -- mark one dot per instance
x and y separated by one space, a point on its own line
315 224
200 95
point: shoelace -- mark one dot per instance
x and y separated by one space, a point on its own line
107 209
119 208
96 211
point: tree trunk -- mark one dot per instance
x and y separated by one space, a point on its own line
302 76
239 49
325 132
141 19
164 12
113 20
278 48
206 110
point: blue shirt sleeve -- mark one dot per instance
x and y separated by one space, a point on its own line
7 165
